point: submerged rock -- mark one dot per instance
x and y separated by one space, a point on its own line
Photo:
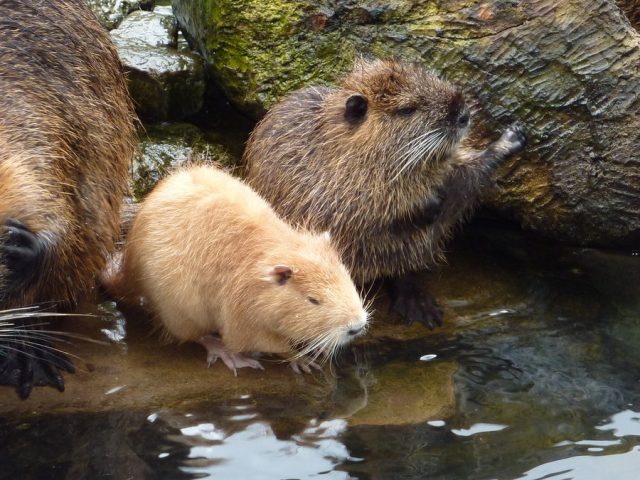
165 81
112 12
570 70
163 148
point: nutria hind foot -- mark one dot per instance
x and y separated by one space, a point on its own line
413 303
23 252
216 349
32 361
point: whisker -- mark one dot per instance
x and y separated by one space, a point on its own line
41 347
422 151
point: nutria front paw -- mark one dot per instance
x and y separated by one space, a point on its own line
423 309
514 139
37 363
23 252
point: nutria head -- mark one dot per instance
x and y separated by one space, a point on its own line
311 298
399 113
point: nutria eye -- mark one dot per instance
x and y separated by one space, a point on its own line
406 111
313 300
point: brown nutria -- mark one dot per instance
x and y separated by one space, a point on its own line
66 141
208 255
377 162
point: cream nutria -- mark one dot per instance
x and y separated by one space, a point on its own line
209 256
66 140
378 162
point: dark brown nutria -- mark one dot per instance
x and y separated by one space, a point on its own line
66 140
377 161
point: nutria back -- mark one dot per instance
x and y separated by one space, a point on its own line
66 141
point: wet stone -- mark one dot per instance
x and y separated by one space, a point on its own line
163 148
567 70
112 12
165 79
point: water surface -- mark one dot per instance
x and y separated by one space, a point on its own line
534 376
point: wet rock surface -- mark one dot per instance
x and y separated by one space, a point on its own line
568 69
166 80
112 12
534 371
163 148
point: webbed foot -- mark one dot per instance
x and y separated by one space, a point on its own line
413 303
216 349
29 360
512 140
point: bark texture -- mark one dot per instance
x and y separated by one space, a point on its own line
569 69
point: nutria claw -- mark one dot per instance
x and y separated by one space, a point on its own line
302 365
515 137
423 309
23 252
39 364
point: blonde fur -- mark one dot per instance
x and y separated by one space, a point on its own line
202 252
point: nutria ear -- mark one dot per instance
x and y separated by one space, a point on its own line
355 108
280 274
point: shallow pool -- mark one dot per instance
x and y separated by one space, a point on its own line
536 375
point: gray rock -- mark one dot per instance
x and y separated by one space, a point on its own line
112 12
165 81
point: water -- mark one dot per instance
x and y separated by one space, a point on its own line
534 376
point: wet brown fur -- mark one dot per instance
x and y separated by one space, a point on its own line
66 140
200 252
319 170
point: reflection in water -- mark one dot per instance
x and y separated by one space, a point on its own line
538 380
478 428
255 453
623 424
622 466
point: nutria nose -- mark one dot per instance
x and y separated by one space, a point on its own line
355 331
458 111
358 326
463 118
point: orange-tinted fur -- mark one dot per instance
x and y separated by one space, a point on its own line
202 250
66 140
